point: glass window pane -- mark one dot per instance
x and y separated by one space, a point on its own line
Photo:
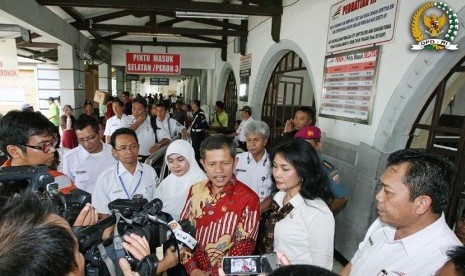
452 111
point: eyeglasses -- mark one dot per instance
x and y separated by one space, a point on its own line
87 139
132 147
46 147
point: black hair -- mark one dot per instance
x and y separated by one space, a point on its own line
302 270
196 102
310 111
126 93
161 105
300 154
427 174
85 121
121 131
457 256
17 127
31 243
217 142
219 104
140 100
118 101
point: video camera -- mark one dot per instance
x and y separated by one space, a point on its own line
135 215
16 180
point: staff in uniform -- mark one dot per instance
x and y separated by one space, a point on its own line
254 167
197 129
84 163
166 128
126 178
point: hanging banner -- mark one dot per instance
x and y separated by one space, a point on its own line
359 23
8 61
349 85
150 63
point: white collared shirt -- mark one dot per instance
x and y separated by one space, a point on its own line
422 253
84 168
110 186
256 175
240 130
115 123
145 135
306 234
168 128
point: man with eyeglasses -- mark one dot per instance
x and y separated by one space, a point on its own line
30 139
84 163
128 177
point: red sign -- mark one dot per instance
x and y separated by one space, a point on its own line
149 63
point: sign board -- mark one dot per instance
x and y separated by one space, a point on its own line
159 81
359 23
151 63
349 84
8 60
245 65
131 77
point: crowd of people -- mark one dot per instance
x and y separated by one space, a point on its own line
268 197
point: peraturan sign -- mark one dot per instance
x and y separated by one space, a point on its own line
152 63
358 23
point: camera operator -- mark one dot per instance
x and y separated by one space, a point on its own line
34 241
30 139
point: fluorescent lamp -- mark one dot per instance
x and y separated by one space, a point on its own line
182 14
159 35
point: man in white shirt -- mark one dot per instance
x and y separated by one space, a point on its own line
128 177
254 167
117 121
84 163
166 128
410 236
246 113
140 123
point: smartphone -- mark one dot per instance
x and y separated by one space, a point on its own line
250 265
241 265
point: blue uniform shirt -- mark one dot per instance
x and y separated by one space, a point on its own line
336 185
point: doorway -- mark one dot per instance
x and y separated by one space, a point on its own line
230 100
285 93
440 129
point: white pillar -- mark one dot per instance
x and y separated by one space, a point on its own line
72 78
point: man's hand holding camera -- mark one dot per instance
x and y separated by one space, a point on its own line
139 248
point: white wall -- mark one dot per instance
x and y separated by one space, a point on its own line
305 25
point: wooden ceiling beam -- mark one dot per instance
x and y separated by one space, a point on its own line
164 30
166 44
268 8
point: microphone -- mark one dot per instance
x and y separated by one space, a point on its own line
186 237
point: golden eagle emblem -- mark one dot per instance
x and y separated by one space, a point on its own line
434 24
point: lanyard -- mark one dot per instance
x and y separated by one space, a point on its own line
124 186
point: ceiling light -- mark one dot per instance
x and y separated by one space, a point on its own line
182 14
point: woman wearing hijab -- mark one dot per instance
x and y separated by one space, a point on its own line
185 172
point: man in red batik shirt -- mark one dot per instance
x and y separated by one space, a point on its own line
224 211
